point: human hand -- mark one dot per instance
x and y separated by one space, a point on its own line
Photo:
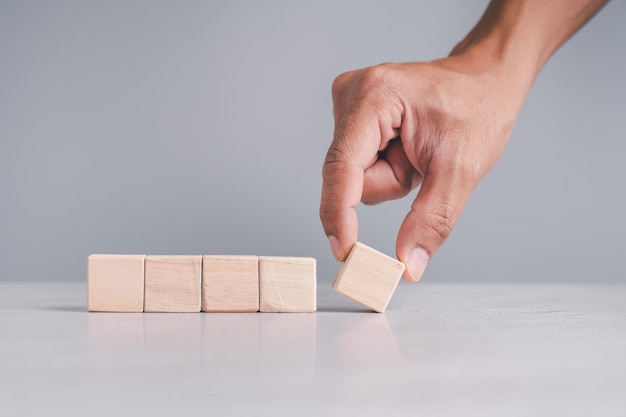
439 125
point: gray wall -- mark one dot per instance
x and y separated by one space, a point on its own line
201 127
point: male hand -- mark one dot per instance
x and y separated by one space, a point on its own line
439 125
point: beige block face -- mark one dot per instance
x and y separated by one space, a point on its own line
230 283
287 285
173 284
115 283
369 277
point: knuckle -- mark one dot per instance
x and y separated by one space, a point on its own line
328 208
464 166
367 88
469 170
441 220
378 74
365 80
340 82
334 155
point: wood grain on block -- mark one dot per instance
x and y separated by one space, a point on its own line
173 284
115 283
369 277
287 285
230 283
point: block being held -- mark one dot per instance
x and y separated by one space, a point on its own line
369 277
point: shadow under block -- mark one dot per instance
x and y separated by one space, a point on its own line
173 284
369 277
287 285
115 283
230 283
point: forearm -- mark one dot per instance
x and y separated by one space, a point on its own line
519 36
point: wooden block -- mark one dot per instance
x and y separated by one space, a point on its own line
173 284
115 283
287 285
369 277
230 283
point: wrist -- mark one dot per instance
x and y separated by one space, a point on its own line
519 36
499 50
503 54
504 76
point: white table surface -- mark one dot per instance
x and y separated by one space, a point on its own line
439 350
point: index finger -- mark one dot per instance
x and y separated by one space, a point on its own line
354 148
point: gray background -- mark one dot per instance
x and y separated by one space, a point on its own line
201 127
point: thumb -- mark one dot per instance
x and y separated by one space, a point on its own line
433 215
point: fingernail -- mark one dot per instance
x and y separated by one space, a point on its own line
418 259
335 246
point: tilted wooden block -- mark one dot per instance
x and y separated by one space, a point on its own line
369 277
173 284
287 285
115 283
230 283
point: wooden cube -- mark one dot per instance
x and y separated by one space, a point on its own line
287 285
115 283
173 284
230 283
369 277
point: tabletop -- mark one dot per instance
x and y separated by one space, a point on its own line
439 350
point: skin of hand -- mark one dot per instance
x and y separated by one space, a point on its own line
439 125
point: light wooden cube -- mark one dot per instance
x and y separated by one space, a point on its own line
287 285
173 284
115 283
369 277
230 283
